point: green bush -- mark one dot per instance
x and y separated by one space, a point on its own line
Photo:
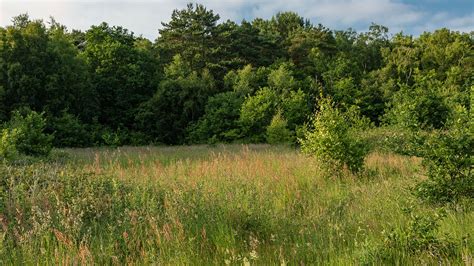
277 131
24 134
333 141
8 144
112 138
69 131
448 159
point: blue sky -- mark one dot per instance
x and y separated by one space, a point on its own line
144 17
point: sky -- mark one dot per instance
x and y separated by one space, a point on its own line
144 17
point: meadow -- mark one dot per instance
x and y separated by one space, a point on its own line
221 205
111 154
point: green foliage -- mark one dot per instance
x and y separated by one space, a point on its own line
111 139
449 160
42 70
206 80
281 80
69 131
332 138
394 140
32 140
179 102
24 134
246 81
9 140
296 108
157 92
123 72
241 44
344 90
421 106
257 112
189 33
304 44
277 131
373 95
220 120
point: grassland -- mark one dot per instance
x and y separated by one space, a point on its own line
233 204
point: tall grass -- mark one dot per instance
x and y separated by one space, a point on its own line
233 204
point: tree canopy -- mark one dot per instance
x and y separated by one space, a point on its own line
204 79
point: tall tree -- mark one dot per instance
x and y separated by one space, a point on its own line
190 33
41 69
178 102
123 72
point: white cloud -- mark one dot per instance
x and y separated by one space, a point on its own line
140 17
464 23
145 16
446 20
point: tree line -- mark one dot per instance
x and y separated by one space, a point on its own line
207 81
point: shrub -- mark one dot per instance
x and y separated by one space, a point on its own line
448 159
69 131
8 143
333 140
277 131
24 134
111 138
